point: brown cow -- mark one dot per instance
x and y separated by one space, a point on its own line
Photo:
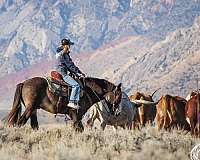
144 114
191 113
189 96
171 112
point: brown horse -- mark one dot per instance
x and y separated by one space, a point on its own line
34 94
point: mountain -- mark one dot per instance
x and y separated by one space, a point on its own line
171 64
138 62
30 30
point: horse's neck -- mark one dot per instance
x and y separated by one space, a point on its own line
99 86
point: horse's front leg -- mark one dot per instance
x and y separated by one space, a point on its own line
102 120
103 125
76 118
90 122
115 127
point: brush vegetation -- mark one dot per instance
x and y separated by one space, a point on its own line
60 142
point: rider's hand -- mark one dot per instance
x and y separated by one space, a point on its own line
81 75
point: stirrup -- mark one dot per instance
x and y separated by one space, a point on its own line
73 105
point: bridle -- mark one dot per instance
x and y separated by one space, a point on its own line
113 104
83 84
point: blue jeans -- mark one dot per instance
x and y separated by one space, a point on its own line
75 94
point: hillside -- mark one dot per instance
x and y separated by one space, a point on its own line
145 44
136 61
30 30
171 64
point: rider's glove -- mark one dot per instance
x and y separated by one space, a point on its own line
81 75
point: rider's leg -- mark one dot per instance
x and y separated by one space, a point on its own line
75 94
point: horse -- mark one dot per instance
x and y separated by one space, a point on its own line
34 94
122 117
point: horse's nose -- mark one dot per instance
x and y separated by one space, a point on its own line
117 112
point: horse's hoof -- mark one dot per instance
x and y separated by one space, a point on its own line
35 128
79 129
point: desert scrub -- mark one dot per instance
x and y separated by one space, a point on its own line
60 142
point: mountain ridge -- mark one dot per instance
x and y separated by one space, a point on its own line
31 30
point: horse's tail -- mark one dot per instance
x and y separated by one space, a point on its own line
15 113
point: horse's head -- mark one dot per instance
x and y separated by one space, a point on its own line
103 89
113 98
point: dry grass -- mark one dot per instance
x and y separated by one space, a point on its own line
59 142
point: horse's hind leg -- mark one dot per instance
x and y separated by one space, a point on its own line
34 121
25 116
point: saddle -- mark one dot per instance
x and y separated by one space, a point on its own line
59 87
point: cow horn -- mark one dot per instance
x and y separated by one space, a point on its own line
196 91
155 92
140 102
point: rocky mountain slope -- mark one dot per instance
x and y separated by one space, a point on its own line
172 64
138 62
30 30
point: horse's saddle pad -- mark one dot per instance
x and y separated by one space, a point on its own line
56 88
57 85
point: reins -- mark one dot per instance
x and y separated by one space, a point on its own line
105 106
94 94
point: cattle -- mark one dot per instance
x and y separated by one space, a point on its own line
189 96
171 113
123 117
191 110
144 114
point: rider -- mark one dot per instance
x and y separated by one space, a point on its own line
66 68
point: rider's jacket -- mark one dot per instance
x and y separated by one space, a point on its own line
66 65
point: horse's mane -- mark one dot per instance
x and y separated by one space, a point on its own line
99 85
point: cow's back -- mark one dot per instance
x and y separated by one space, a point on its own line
191 109
171 112
179 107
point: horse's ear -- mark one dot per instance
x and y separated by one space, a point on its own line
119 86
106 97
105 90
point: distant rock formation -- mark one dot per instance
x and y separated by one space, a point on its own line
30 30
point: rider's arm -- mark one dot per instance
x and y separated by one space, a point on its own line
60 48
70 65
